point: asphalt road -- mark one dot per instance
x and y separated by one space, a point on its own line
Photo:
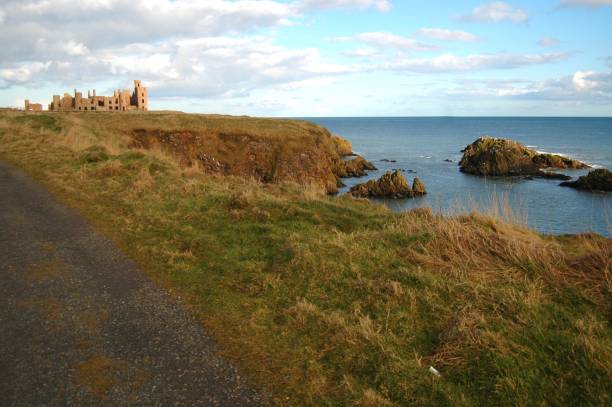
81 325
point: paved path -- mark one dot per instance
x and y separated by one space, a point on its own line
80 325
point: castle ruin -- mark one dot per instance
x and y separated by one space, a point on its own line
121 101
32 107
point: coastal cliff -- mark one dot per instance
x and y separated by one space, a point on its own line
262 149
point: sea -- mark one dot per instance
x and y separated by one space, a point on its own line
430 148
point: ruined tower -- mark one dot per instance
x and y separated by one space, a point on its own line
140 97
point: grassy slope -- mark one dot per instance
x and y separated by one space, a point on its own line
333 301
256 148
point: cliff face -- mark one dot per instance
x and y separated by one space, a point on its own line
263 149
499 157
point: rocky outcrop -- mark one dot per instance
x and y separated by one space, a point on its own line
418 188
266 150
501 157
596 180
343 147
390 185
356 167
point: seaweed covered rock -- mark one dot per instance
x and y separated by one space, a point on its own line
501 157
356 167
596 180
390 185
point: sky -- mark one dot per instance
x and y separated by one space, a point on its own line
308 58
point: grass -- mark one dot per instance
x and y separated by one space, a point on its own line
334 301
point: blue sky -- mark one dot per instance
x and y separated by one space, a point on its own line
315 57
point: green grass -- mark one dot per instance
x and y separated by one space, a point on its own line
39 121
333 301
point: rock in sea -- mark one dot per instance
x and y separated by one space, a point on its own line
390 185
502 157
596 180
356 167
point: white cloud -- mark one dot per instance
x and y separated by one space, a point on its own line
75 48
180 47
586 3
218 66
451 63
306 83
580 87
362 52
103 23
29 72
381 5
388 40
548 42
590 84
496 11
585 81
446 35
210 67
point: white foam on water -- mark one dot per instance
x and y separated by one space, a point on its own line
547 152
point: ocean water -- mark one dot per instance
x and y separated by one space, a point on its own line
422 145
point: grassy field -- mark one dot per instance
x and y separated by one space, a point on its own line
333 301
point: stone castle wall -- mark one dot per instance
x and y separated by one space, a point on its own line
121 101
32 107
